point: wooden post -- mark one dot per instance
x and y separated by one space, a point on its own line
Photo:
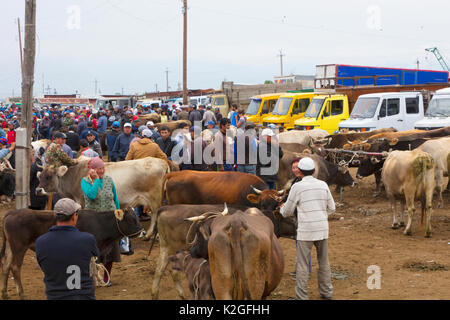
23 134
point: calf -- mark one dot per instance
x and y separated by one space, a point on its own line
197 274
409 175
22 227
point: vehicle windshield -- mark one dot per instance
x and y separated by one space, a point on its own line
253 107
365 108
314 108
439 107
100 103
282 106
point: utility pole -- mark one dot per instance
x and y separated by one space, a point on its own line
20 47
96 82
43 86
417 62
23 134
122 90
281 55
185 97
167 79
156 87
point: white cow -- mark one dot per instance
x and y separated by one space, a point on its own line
138 182
410 175
302 136
440 151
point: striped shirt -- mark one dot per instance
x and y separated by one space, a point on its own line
313 201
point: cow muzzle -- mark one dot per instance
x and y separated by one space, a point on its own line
41 192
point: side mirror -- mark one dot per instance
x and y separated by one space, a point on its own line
321 116
378 117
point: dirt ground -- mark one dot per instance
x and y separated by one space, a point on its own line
412 267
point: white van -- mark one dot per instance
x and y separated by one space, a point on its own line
399 110
438 112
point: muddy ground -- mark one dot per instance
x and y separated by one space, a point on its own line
412 267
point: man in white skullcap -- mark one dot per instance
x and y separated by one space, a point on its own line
313 200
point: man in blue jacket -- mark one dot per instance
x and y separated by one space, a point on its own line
64 255
122 144
102 124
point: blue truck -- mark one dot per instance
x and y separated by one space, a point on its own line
340 75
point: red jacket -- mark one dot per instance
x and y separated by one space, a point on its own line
11 136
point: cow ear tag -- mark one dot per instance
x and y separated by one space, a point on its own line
119 214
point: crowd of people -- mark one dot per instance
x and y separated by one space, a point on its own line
236 146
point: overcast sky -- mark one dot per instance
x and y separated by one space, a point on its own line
129 44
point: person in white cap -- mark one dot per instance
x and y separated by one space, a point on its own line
184 114
155 135
313 200
122 144
269 155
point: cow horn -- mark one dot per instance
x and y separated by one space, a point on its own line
374 160
257 191
225 210
281 192
194 219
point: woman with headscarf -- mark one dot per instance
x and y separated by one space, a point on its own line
100 195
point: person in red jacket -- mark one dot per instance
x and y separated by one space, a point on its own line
11 133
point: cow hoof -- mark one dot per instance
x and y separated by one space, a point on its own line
428 235
375 194
407 232
395 226
145 238
402 224
4 295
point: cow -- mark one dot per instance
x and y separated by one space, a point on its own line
172 125
245 257
415 134
22 227
338 140
138 182
410 175
210 187
439 149
197 274
325 171
173 229
144 118
368 165
304 137
299 148
7 182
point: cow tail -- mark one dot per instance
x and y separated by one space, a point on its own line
238 257
163 189
2 252
420 167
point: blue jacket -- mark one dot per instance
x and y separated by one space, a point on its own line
84 133
64 254
102 124
121 146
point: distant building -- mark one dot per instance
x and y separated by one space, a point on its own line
306 81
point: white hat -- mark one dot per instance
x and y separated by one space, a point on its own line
267 132
149 123
146 133
306 164
46 114
127 125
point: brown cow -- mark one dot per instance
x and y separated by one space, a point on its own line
22 227
410 175
415 134
173 228
245 257
172 125
197 274
338 140
392 135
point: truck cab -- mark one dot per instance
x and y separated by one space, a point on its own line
260 107
399 110
438 112
289 107
219 101
325 112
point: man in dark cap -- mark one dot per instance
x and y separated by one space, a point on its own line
64 255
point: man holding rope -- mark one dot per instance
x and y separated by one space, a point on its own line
64 255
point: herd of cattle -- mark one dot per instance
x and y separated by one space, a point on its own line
232 251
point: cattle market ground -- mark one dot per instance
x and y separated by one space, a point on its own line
412 267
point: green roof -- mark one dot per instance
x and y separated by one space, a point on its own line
299 91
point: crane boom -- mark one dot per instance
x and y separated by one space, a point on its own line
439 58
